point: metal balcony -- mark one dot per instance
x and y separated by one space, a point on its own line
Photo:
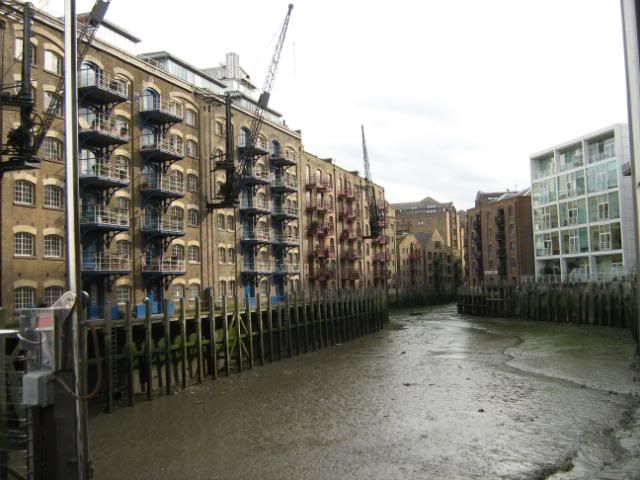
284 239
347 194
348 235
380 257
255 237
283 158
252 206
101 88
159 110
102 173
256 176
351 275
162 226
286 268
284 212
350 255
346 214
104 264
257 267
104 218
415 256
160 148
381 240
324 229
284 183
164 266
163 186
102 131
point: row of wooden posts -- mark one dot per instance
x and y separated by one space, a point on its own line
609 304
160 353
420 297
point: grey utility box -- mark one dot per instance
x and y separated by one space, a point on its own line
37 388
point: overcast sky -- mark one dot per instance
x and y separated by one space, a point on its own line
454 95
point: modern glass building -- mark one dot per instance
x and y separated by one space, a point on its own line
582 208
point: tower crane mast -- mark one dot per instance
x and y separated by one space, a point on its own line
248 153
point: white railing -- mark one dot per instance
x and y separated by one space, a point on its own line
164 265
258 266
596 157
105 263
285 210
162 224
284 238
105 216
288 181
151 142
168 183
604 244
287 267
153 103
91 167
254 203
99 122
256 235
573 249
88 77
259 173
572 220
545 252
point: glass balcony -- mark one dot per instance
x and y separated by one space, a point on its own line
100 87
98 130
159 110
160 148
102 173
162 226
104 218
105 264
164 266
159 185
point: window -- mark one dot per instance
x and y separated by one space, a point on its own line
192 182
53 246
192 149
122 167
25 297
220 221
222 255
223 288
24 245
231 253
176 142
53 196
177 252
603 211
123 249
232 287
177 293
122 205
194 217
123 294
19 49
52 62
194 292
52 294
52 148
24 192
219 128
230 222
191 118
264 288
177 213
193 254
50 97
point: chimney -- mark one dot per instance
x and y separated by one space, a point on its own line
233 66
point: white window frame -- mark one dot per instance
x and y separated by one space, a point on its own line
24 192
53 246
24 244
53 196
25 297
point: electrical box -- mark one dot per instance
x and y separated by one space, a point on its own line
37 388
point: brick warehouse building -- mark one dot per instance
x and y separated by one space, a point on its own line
148 125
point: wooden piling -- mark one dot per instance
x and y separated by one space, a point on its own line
198 319
270 326
260 327
225 345
184 355
148 348
288 320
167 346
213 341
108 360
129 353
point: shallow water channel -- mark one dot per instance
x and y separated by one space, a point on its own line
433 396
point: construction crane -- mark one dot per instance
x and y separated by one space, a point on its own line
376 214
248 153
24 141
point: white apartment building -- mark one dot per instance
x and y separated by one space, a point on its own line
582 207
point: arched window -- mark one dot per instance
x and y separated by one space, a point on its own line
24 245
52 294
53 196
52 97
123 294
194 254
245 135
194 217
177 214
275 148
192 182
123 249
318 177
231 253
52 62
232 287
219 128
192 149
121 165
53 246
150 99
191 117
222 255
24 192
122 126
220 221
147 137
308 174
52 149
25 297
231 222
262 142
122 205
194 292
177 293
177 179
264 287
176 143
177 252
223 288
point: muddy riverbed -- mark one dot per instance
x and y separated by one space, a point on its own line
433 396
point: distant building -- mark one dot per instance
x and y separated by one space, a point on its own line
499 239
583 207
409 258
441 264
